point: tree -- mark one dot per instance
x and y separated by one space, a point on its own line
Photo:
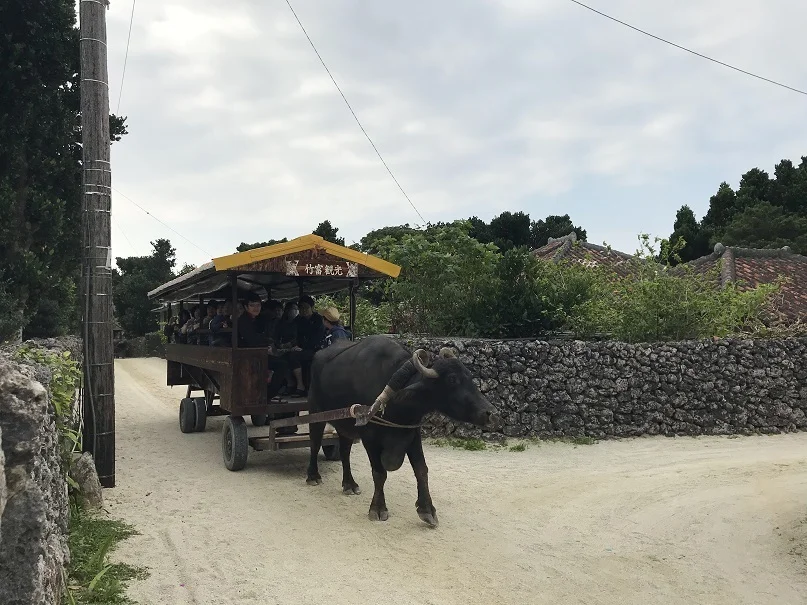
40 164
135 277
767 226
186 268
370 243
755 186
329 233
447 282
554 226
789 188
763 213
480 230
722 207
243 246
510 230
688 229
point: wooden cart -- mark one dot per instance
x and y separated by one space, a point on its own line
231 381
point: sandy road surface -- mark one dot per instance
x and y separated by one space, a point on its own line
707 521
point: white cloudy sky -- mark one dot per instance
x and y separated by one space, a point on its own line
237 133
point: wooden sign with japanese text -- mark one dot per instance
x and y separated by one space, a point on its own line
315 268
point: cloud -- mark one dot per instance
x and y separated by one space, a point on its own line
238 134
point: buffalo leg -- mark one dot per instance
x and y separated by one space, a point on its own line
349 485
417 459
316 430
378 507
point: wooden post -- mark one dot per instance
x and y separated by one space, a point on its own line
234 285
96 267
353 309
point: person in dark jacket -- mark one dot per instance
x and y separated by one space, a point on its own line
252 334
310 337
250 330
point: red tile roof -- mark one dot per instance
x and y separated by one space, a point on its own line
750 267
567 248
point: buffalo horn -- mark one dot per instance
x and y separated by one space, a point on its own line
420 358
397 382
447 353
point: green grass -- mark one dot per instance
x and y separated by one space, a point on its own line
91 578
569 440
476 445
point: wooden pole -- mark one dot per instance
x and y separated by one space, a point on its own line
96 267
234 316
353 308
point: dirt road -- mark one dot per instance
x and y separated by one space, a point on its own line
673 521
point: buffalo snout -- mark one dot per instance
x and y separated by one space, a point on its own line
483 413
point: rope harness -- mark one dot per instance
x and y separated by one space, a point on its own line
384 422
397 382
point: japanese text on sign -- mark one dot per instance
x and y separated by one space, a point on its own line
313 269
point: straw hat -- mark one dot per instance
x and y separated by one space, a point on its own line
331 315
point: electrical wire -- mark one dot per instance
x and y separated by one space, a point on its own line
161 222
697 54
123 233
126 57
353 112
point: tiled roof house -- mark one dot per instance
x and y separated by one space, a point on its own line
567 248
750 267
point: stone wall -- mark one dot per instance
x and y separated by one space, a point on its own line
611 389
140 346
34 509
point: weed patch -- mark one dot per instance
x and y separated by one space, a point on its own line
472 445
92 579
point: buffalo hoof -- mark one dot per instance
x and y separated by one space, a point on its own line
314 480
429 518
351 490
378 515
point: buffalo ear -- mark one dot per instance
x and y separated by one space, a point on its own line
447 353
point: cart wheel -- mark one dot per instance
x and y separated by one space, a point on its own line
187 416
201 414
234 443
331 452
259 419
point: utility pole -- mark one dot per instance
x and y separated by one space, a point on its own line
96 265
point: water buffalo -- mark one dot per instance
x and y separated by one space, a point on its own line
378 369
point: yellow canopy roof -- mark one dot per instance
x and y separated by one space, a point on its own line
210 277
301 244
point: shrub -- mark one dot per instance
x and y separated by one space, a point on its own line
659 303
451 285
155 344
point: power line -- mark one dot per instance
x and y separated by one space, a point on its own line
126 57
354 113
697 54
123 233
161 222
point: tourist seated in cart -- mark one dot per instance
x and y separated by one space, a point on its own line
271 314
210 314
222 321
181 333
334 330
285 335
310 337
170 329
252 334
